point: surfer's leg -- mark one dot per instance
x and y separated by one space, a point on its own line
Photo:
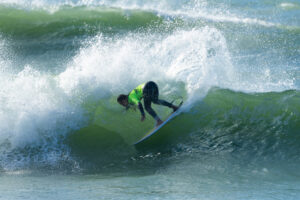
165 103
147 104
148 95
151 91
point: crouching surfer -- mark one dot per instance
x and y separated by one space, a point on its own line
149 92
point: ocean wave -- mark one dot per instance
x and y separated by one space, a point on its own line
261 126
68 20
63 63
71 22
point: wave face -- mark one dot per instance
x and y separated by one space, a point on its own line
63 63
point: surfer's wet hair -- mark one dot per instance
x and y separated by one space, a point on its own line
121 98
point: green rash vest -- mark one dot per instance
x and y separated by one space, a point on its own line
136 95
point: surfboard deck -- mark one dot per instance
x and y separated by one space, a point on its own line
155 129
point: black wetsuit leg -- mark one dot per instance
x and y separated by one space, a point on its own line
147 104
163 102
150 94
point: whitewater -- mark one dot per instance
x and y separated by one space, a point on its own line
236 65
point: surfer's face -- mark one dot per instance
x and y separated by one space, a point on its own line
124 102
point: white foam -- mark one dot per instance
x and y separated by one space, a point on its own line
288 5
4 55
34 113
107 66
197 57
37 109
192 9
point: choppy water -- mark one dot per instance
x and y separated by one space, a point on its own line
235 63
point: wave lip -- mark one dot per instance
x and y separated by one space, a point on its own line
72 21
289 6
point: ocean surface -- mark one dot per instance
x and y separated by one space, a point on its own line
236 65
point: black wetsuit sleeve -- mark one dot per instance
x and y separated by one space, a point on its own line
141 109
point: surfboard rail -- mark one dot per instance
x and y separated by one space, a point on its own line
155 129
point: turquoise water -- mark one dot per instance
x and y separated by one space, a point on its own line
236 64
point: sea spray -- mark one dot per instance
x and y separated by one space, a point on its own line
63 66
234 63
198 58
35 117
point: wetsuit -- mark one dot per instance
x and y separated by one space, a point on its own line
149 92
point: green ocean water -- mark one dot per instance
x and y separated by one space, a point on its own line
235 64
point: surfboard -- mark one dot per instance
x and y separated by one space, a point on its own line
155 129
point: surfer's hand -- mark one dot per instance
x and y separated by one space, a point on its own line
143 118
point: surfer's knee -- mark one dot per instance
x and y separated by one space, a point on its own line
156 101
148 109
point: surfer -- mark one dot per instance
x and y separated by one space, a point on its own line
149 92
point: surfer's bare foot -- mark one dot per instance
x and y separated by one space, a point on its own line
159 122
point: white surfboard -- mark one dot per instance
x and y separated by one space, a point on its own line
154 130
